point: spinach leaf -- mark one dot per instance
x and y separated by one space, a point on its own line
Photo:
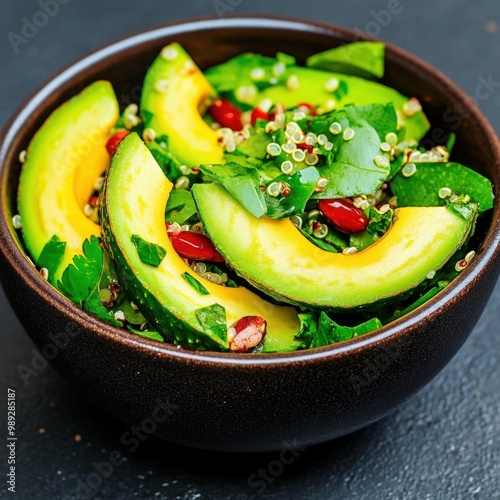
422 188
149 253
167 162
146 334
302 184
308 327
333 242
421 300
181 201
379 223
52 256
365 59
356 166
213 320
195 284
329 332
241 182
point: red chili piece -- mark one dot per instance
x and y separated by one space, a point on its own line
195 246
342 214
248 332
115 139
309 107
226 114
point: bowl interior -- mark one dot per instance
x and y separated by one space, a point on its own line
213 41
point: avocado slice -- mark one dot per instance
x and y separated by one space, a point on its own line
309 85
136 193
63 161
173 100
274 257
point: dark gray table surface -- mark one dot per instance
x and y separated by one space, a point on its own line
444 443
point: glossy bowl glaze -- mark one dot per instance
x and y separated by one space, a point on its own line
248 402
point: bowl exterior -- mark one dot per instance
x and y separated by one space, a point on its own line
237 402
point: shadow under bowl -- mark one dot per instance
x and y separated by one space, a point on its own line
234 402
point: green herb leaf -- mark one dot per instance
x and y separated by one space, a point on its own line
213 321
363 59
421 300
81 279
149 253
464 210
329 332
333 242
242 184
167 162
51 256
355 166
308 327
195 284
147 334
422 188
302 184
181 201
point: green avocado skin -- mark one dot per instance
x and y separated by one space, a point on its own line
172 328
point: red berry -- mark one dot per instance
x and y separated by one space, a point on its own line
305 147
258 114
308 107
342 214
195 246
226 114
247 332
115 139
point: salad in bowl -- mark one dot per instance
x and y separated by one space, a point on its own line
259 206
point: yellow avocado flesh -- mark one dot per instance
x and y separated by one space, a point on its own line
135 198
175 93
63 161
275 257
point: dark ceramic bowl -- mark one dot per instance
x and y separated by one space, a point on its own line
248 402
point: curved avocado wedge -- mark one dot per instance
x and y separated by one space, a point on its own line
173 100
273 256
63 161
135 195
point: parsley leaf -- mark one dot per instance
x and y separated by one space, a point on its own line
181 201
52 255
80 280
149 253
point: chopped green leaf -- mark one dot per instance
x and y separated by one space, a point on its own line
52 255
356 166
329 332
308 327
80 280
363 59
422 188
147 334
180 206
379 223
301 184
213 320
464 210
149 253
195 284
242 184
167 162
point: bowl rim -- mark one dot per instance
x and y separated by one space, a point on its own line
382 336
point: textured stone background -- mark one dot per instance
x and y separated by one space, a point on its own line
445 443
